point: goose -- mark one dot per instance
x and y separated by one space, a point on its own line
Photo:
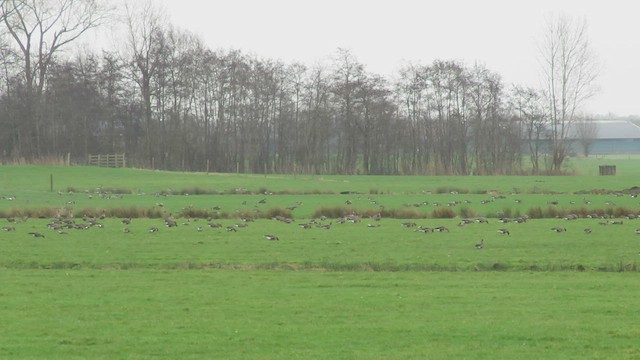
424 229
588 230
8 228
326 226
153 229
36 234
373 225
199 228
480 245
126 230
271 237
231 228
503 232
638 231
441 229
559 229
126 221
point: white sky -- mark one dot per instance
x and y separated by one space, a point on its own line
383 34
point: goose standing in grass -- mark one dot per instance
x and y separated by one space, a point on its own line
153 229
271 237
503 232
480 245
638 231
559 229
325 226
36 235
587 230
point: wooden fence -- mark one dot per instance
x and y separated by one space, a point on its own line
112 161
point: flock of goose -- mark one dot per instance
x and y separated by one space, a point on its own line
63 224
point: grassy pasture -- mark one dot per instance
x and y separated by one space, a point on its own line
344 247
36 179
422 195
348 292
224 314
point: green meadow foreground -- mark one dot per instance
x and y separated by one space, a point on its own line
339 289
228 314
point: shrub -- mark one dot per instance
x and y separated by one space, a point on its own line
535 212
401 213
332 212
443 213
198 191
197 213
467 212
275 212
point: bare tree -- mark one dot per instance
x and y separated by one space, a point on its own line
348 77
586 133
39 30
145 40
527 105
570 71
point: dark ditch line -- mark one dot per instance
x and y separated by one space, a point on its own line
331 267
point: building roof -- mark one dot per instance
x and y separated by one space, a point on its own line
617 129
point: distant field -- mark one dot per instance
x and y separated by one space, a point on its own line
79 188
351 291
32 179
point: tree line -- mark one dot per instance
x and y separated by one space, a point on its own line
170 102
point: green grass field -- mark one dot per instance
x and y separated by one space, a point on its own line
224 314
348 292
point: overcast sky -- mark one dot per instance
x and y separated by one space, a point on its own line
385 34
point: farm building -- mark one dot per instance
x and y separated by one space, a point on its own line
614 137
621 136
